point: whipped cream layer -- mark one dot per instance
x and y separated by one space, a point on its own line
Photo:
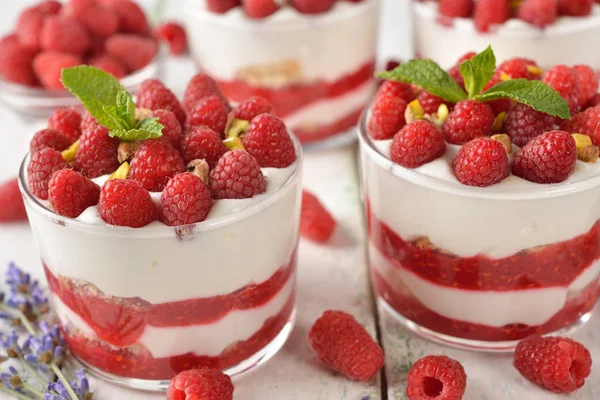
497 221
569 40
321 47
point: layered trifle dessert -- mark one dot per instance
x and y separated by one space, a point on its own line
483 226
546 31
167 243
314 61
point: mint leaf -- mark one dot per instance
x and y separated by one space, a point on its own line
429 76
535 94
125 109
148 128
478 71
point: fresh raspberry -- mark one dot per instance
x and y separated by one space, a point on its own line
222 6
132 18
154 163
344 345
490 12
48 65
316 223
237 175
259 8
416 144
564 80
48 138
16 62
588 83
153 95
454 72
390 64
67 121
516 68
199 87
88 122
469 119
99 20
436 377
430 102
61 33
586 122
481 162
126 203
41 166
174 34
456 8
593 101
97 152
201 383
540 13
556 363
171 127
268 140
185 200
49 7
523 123
201 142
109 64
29 28
70 193
211 112
134 51
12 207
548 158
252 107
401 90
313 6
576 8
387 117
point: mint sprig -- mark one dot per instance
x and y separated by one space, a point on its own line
478 71
109 103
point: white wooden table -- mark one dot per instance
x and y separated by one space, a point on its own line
330 277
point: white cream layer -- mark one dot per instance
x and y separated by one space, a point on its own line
570 40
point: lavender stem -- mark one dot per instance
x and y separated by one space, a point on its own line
32 390
18 395
33 372
65 381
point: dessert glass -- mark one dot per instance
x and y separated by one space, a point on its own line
137 306
316 70
480 268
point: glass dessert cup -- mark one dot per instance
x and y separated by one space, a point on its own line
138 306
479 268
316 70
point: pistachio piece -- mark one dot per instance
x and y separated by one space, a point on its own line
505 77
121 173
442 113
238 126
499 122
505 140
142 113
126 151
586 151
199 168
234 143
69 154
534 70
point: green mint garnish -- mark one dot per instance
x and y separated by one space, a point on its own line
477 72
109 103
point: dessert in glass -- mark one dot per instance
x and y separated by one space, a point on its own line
316 68
474 240
154 270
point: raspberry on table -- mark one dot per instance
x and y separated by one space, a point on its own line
109 64
96 18
316 222
48 65
70 193
210 111
259 8
201 383
523 123
174 34
436 377
575 8
61 33
344 345
48 138
201 142
29 28
185 200
67 121
313 6
490 12
401 90
199 87
540 13
222 6
171 127
558 364
565 81
456 8
416 144
12 208
586 122
469 119
153 95
97 152
40 169
588 83
387 117
548 158
430 102
154 163
250 108
268 140
16 62
132 18
481 162
517 68
237 175
123 202
134 51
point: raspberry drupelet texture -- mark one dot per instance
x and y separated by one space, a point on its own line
201 142
586 122
12 208
564 80
548 158
588 83
469 119
481 162
401 90
70 193
199 87
523 123
40 169
237 175
253 107
387 117
171 127
316 223
126 203
416 144
430 102
48 138
185 200
66 121
200 384
97 152
174 34
436 377
212 112
540 13
268 140
344 345
153 95
490 12
555 363
456 8
517 68
154 163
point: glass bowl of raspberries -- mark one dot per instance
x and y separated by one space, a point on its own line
168 239
482 199
113 35
259 48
